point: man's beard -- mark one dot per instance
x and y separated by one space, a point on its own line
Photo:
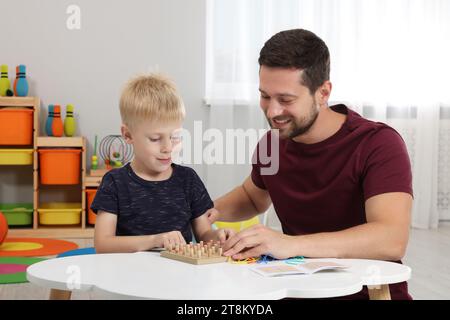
300 127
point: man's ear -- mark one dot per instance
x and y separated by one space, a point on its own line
126 134
324 92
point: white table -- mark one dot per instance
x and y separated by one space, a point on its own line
146 275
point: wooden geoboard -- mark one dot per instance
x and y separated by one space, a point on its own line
199 253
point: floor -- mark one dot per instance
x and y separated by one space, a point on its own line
427 255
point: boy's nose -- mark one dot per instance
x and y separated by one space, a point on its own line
167 147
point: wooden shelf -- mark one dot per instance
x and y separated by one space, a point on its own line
98 172
83 230
55 232
71 142
19 101
62 142
93 181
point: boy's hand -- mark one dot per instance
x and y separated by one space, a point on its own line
224 234
212 215
170 239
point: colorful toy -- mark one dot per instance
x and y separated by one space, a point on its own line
114 151
21 83
5 84
57 124
3 228
94 164
69 122
199 253
49 122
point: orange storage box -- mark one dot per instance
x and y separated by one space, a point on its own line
59 166
90 197
16 126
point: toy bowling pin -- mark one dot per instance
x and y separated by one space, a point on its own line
21 83
69 122
4 80
57 124
48 123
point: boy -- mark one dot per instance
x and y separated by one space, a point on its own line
151 202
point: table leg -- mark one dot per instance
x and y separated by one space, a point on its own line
379 292
56 294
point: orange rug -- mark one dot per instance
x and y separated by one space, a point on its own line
33 247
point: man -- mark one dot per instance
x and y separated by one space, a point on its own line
343 187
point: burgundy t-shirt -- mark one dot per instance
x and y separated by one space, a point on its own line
322 187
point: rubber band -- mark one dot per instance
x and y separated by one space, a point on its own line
295 260
292 261
246 261
266 259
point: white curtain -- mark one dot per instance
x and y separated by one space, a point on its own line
390 61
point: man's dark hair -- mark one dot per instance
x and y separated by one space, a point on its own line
299 49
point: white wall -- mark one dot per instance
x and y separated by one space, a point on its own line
88 67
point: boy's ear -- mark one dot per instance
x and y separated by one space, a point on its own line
126 134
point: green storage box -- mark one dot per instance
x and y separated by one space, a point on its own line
18 214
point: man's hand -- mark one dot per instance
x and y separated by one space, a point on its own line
258 240
224 234
212 215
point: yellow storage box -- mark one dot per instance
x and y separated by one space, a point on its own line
60 213
16 156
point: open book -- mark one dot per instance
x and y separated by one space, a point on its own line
280 268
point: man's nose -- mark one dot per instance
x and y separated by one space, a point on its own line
274 109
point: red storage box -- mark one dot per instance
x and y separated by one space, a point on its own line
90 197
59 166
16 126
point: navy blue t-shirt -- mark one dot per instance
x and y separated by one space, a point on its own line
151 207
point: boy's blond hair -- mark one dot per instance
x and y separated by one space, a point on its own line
150 97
